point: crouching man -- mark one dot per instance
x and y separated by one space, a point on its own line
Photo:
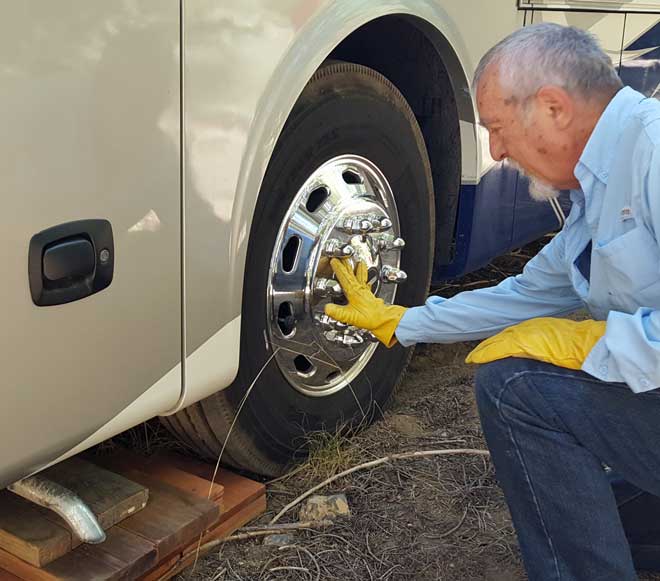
558 399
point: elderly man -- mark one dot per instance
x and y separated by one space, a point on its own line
559 399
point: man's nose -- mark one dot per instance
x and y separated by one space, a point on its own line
497 149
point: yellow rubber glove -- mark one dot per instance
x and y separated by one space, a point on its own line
558 341
364 309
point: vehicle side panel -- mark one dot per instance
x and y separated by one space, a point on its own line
89 93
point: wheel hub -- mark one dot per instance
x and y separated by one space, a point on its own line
345 209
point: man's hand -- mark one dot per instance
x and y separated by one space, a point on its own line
558 341
364 309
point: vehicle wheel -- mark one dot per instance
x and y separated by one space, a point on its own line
349 176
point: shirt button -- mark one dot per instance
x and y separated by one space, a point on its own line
603 369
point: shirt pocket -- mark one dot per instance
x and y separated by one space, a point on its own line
630 268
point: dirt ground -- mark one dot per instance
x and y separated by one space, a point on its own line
437 518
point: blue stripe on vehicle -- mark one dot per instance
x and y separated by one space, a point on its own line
484 225
494 217
643 72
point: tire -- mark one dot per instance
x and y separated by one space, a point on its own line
345 108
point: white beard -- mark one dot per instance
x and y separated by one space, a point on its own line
542 191
538 189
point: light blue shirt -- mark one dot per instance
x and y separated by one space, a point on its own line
617 208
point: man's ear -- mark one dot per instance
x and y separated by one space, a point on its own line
556 104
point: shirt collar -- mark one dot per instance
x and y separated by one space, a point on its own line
600 149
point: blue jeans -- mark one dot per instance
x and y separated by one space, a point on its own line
550 431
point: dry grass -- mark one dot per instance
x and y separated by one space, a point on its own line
146 438
329 454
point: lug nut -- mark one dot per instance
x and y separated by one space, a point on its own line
392 275
385 224
338 332
387 243
347 339
332 336
329 323
326 287
365 226
380 223
356 225
368 336
350 340
322 319
336 249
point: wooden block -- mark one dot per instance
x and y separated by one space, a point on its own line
13 565
247 513
163 538
137 554
172 518
161 469
123 555
81 564
25 531
238 490
110 496
7 576
177 563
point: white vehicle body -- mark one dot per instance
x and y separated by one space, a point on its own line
161 117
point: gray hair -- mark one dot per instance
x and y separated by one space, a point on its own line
551 54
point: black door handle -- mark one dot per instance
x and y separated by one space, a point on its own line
70 261
73 257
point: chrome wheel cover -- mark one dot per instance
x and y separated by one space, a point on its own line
346 208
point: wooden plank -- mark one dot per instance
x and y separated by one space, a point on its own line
158 467
39 536
7 576
238 490
182 560
42 512
123 555
163 538
27 533
23 570
84 565
110 496
172 518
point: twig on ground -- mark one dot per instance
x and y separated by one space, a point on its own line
251 532
289 526
373 464
298 548
286 475
219 574
453 529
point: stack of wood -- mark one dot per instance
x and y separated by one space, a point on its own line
156 511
